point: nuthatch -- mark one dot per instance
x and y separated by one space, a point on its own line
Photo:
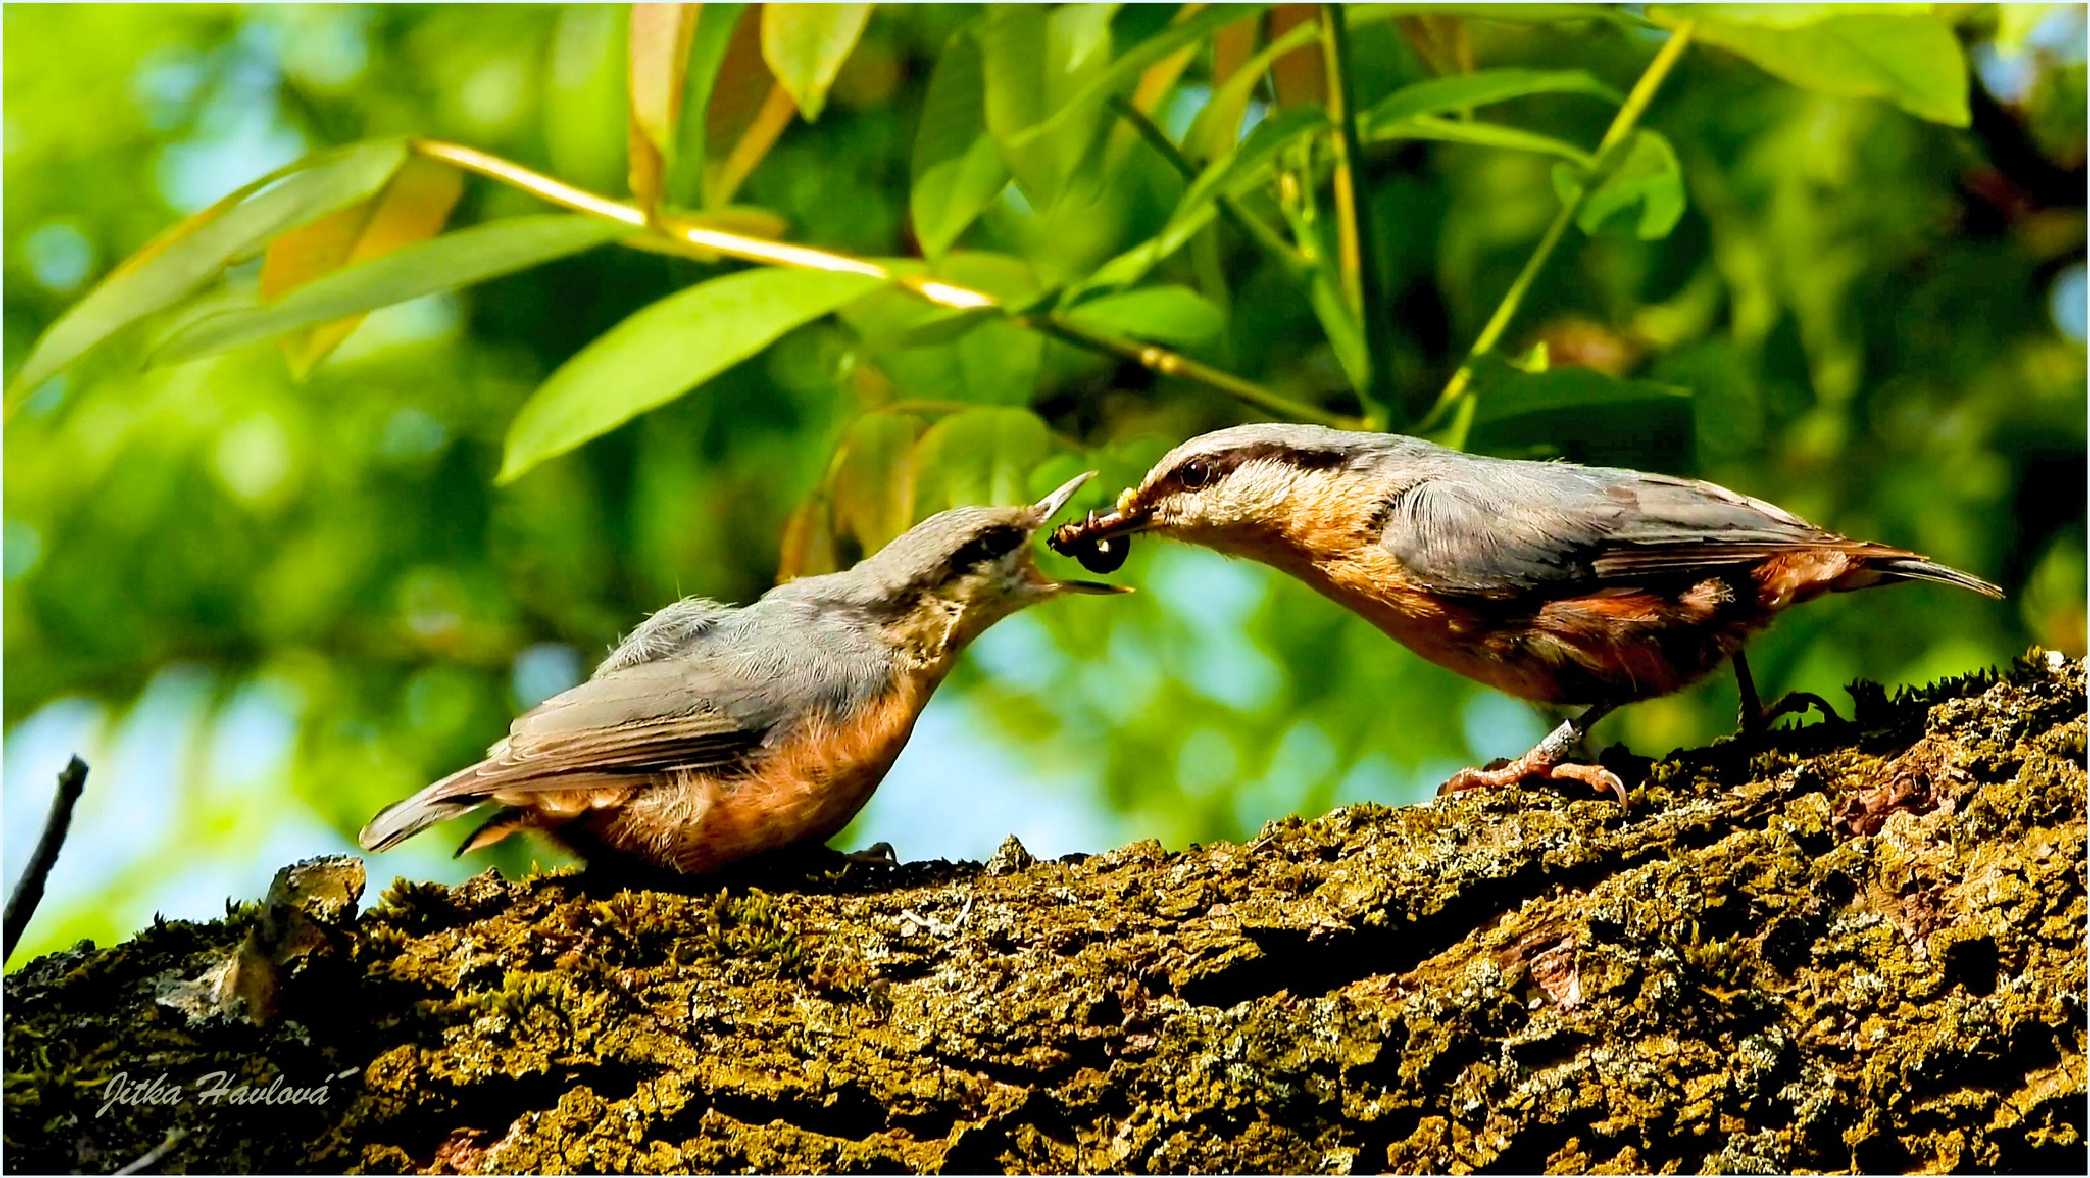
1552 582
714 733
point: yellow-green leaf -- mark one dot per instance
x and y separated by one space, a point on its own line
1901 53
192 253
981 456
412 207
664 351
805 46
874 479
957 166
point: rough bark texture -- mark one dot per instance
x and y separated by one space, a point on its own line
1862 948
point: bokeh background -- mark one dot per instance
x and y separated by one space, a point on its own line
261 607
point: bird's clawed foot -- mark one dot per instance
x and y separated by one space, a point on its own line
1530 768
1758 721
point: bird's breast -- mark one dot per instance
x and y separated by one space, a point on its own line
802 786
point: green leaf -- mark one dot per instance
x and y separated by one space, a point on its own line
805 46
707 53
1237 171
1910 58
665 350
1477 134
1458 92
443 263
874 478
1173 315
980 456
585 91
1217 127
658 44
957 165
1125 71
1646 180
1036 62
1578 411
193 252
937 353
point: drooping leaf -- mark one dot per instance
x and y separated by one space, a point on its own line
659 53
941 353
873 483
957 166
808 544
1174 315
1910 58
981 456
193 252
707 56
411 207
1643 193
805 46
443 263
1457 92
665 350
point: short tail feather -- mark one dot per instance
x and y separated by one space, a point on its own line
1916 568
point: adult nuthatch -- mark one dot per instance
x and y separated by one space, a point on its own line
1552 582
715 732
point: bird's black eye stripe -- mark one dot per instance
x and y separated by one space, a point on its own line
992 544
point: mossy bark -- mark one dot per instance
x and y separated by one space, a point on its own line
1859 948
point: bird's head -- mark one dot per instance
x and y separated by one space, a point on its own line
1240 489
946 579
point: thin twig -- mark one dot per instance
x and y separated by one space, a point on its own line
72 782
153 1155
703 240
1615 136
1359 260
1267 238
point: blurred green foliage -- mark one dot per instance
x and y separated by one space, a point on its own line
264 606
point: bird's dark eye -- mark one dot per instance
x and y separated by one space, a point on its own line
1194 474
989 545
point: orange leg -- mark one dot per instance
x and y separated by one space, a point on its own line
1547 761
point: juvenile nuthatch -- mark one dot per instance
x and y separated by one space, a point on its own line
1552 582
714 732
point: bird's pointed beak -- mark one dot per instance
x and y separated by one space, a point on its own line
1050 505
1042 513
1123 520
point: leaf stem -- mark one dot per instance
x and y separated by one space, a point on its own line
704 240
1268 239
1615 136
1359 261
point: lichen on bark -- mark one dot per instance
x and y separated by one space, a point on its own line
1858 948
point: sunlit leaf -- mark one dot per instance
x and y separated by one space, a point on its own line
1173 315
805 46
981 456
1643 193
1457 92
957 166
1126 69
412 207
586 91
1035 62
873 483
659 52
666 350
941 353
1909 58
193 252
444 263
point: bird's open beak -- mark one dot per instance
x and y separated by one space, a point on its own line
1042 513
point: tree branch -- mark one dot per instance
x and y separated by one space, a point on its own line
72 782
